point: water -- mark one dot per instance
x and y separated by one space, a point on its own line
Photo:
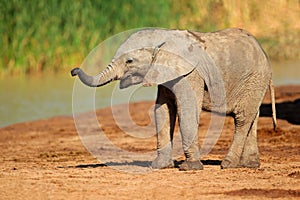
285 73
37 97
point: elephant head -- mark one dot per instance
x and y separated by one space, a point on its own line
155 56
129 68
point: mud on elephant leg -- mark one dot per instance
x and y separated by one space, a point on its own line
250 155
165 116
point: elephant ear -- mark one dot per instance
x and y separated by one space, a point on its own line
168 65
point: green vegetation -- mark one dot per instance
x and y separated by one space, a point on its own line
57 34
274 23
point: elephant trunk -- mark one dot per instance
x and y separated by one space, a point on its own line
104 77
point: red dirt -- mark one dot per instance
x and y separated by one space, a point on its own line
46 159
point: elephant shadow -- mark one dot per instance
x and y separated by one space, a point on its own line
97 165
177 163
147 164
288 110
204 162
84 166
133 163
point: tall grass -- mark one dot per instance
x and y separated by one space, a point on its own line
56 34
40 35
275 23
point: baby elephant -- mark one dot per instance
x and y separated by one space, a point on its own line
226 72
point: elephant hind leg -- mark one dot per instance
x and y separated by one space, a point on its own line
243 127
244 151
250 155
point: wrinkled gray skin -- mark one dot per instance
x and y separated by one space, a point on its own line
225 71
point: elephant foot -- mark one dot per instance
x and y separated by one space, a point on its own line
227 163
160 163
191 165
252 162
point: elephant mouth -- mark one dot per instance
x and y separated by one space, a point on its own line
148 84
129 80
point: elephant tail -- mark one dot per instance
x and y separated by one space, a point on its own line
272 92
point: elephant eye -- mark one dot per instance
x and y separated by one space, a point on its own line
129 60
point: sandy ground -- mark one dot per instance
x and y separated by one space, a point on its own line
46 159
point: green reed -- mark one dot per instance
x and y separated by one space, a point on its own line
55 35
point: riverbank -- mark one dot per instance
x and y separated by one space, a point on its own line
45 159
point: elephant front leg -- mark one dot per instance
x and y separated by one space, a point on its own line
189 99
165 116
189 131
